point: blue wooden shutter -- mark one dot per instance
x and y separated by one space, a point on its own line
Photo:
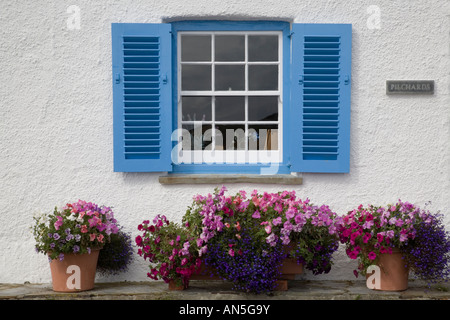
321 64
142 97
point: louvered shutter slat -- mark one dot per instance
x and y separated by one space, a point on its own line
142 101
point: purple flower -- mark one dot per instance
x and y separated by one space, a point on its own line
76 249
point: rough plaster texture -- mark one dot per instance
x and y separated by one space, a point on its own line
56 115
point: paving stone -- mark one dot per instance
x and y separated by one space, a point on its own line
221 290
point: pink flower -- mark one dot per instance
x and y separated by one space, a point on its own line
92 236
380 237
58 223
256 215
403 235
372 255
399 222
100 238
268 229
138 240
353 254
346 233
84 229
276 221
231 252
255 200
354 235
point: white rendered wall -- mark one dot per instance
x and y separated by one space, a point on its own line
56 115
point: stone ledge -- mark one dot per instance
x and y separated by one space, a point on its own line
285 179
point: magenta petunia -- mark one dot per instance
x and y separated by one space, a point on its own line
372 255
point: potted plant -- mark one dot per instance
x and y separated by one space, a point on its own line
171 250
245 239
72 238
116 254
399 239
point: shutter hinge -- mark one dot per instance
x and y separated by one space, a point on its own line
291 34
117 78
346 79
164 79
300 80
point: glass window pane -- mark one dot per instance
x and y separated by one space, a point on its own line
230 77
195 48
263 137
230 108
263 77
230 137
229 48
193 137
263 48
196 77
263 108
196 109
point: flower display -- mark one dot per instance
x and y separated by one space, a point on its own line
230 229
428 254
116 254
419 234
78 228
170 248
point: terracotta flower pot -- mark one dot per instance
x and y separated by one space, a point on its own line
289 268
75 273
173 285
391 274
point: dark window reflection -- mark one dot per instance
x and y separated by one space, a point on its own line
195 48
230 108
263 48
229 48
263 108
263 77
196 77
196 109
230 77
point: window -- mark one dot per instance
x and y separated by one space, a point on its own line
230 92
231 97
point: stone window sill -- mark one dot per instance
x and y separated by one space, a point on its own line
284 179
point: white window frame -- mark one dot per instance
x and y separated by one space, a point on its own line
231 156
